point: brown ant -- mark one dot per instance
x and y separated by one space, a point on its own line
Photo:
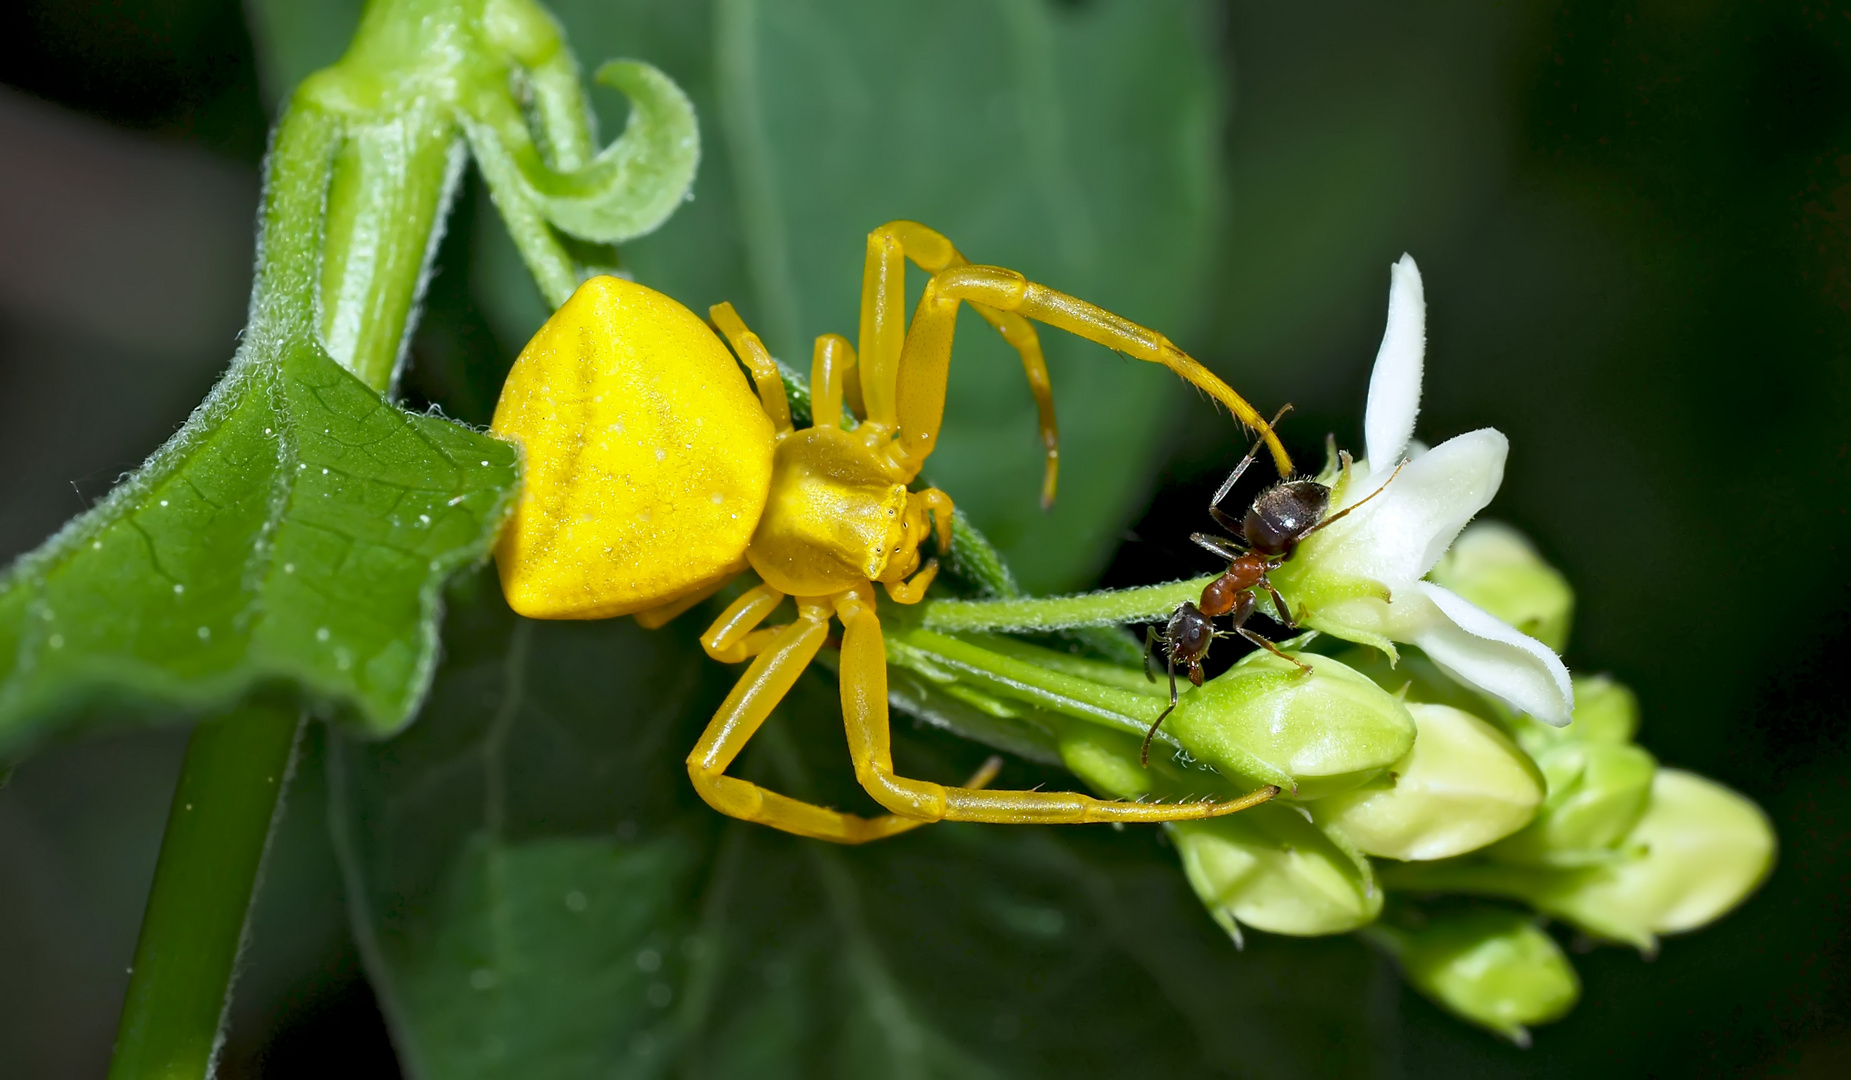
1280 518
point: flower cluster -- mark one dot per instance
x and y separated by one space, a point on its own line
1446 786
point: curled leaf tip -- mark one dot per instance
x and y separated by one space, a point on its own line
636 182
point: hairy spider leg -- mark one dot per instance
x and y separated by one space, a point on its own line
658 617
920 393
864 711
1233 525
745 710
864 708
883 331
735 636
830 366
748 347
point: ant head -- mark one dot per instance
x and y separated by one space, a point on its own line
1189 633
1284 514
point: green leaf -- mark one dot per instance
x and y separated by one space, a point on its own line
296 530
537 891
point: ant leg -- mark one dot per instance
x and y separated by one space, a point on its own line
757 359
1341 514
1144 751
1218 546
1151 638
1279 605
1303 668
864 713
1231 524
1214 504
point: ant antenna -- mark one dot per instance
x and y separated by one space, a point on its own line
1144 751
1234 477
1357 504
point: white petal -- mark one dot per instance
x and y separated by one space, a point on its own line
1484 652
1398 536
1394 385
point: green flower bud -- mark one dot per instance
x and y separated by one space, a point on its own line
1108 761
1605 712
1494 968
1413 677
1494 567
1700 850
1597 793
1272 869
1465 784
1313 734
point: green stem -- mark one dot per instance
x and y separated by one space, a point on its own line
1029 678
230 791
393 179
1041 615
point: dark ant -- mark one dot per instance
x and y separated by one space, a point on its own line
1280 518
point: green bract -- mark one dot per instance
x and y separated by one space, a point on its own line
1325 732
1495 968
1462 786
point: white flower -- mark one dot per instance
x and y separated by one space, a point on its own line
1361 578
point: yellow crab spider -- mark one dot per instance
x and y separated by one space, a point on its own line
654 475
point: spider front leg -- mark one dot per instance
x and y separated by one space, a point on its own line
870 744
920 396
884 333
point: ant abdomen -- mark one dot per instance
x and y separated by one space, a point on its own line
1283 514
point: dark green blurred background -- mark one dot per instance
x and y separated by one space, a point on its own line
1634 222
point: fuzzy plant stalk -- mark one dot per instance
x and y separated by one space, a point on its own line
259 522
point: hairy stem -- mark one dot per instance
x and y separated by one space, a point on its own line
1040 615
